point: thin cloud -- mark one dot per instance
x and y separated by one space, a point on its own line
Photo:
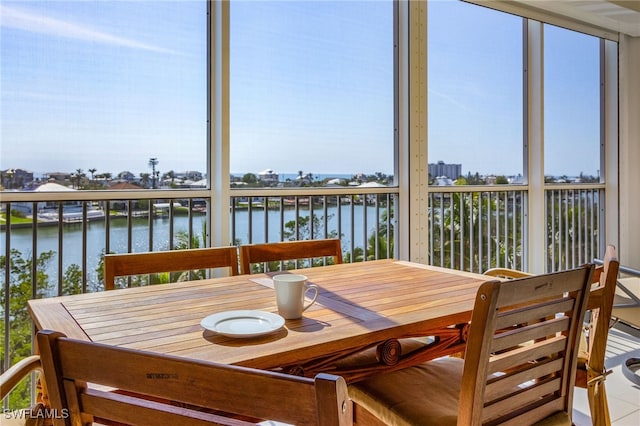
449 99
43 96
18 19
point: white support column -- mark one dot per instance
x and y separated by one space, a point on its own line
629 247
535 143
403 213
413 141
218 166
611 151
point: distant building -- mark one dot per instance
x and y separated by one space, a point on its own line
516 180
191 175
126 176
42 207
268 176
15 178
442 181
440 169
58 177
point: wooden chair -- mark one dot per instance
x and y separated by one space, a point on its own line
289 250
116 265
11 378
591 371
155 389
501 380
17 372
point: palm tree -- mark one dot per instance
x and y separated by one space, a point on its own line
153 162
170 175
78 176
92 171
144 178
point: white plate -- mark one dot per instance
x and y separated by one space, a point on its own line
243 323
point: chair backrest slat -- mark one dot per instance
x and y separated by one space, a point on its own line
503 361
531 332
126 264
103 405
499 389
520 361
289 250
150 387
531 313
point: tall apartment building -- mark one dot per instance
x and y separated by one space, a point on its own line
452 171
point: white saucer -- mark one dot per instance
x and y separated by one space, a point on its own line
243 323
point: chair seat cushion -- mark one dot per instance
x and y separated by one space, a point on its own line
426 394
421 395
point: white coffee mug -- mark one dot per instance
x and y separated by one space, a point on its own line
290 292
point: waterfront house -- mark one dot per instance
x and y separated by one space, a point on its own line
268 176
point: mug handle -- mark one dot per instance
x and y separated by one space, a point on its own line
315 295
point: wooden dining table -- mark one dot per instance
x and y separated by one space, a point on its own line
360 324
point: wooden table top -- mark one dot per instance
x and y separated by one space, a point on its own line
359 303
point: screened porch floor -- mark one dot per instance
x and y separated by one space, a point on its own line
622 394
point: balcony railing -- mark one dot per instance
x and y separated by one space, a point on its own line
58 245
363 221
575 226
475 230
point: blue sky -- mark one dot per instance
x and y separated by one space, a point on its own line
312 86
476 91
110 84
81 80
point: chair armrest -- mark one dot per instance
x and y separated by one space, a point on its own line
17 372
506 273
